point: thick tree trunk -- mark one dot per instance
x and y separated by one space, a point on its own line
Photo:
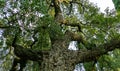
58 59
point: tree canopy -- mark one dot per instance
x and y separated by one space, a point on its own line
36 35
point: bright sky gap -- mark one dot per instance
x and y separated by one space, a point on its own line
103 4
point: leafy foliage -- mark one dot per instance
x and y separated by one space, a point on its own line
36 20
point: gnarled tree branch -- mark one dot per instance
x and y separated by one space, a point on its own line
81 56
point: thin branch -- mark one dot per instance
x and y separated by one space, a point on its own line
5 27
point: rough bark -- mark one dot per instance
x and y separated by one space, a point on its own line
57 59
62 59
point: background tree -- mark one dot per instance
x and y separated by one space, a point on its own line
35 36
116 3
